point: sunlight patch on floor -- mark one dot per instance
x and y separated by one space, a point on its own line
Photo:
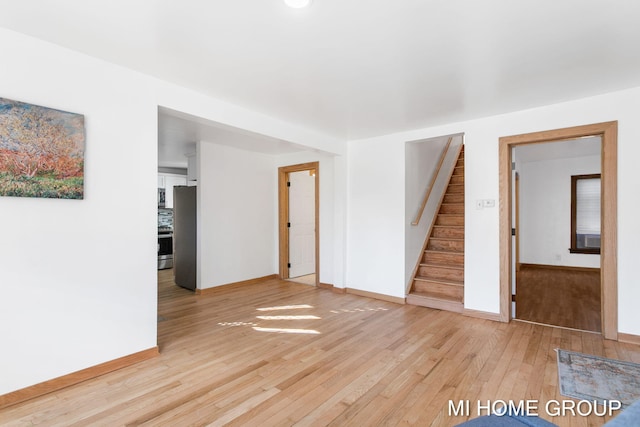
285 307
236 324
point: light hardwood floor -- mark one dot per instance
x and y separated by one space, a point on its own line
309 279
280 353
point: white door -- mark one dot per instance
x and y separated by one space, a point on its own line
302 219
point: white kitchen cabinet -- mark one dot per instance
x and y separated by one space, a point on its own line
169 181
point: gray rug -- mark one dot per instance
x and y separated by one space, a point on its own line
587 377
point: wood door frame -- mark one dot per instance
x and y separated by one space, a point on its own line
609 209
283 216
517 220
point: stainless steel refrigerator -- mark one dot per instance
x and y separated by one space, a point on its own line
184 236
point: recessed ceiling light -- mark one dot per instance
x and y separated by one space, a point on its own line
298 3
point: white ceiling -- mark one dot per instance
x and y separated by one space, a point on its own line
358 68
178 133
570 148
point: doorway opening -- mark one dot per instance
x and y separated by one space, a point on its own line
298 217
556 282
608 216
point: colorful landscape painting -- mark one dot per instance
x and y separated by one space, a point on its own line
41 151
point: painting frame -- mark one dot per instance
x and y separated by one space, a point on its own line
41 151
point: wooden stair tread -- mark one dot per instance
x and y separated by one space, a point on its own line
427 295
439 281
436 265
448 251
437 251
449 239
445 254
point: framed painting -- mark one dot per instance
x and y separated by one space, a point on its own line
41 151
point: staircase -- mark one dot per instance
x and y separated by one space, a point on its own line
439 277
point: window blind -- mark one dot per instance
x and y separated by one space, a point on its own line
588 206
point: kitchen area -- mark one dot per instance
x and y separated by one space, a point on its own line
166 182
181 140
177 179
177 224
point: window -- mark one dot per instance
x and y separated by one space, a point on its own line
585 214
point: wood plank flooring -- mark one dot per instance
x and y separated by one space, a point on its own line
562 297
280 353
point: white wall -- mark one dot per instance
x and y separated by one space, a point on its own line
375 215
421 160
237 198
376 198
340 209
77 277
228 220
545 211
78 280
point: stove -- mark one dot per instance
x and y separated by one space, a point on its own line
165 248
